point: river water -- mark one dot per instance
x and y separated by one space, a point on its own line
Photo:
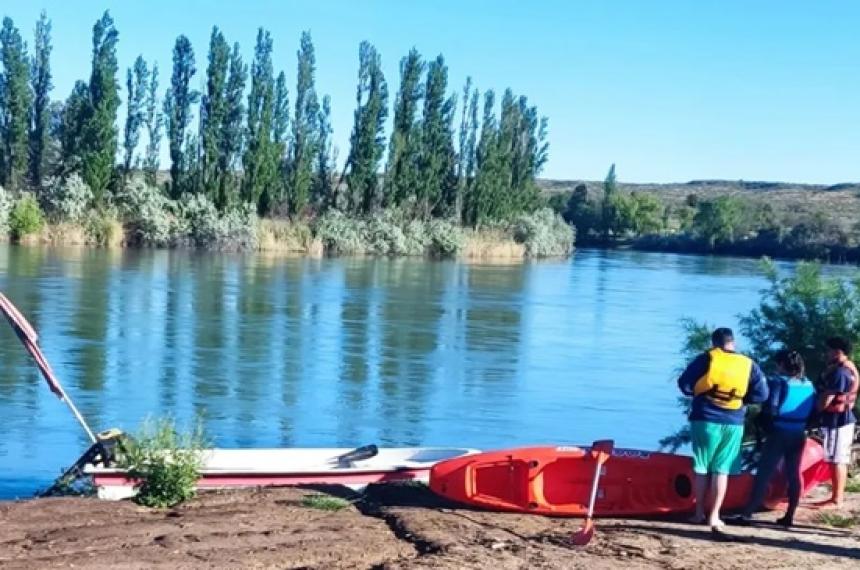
344 352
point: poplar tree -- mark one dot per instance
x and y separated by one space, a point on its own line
436 162
99 130
323 195
259 161
462 152
232 129
41 85
402 176
471 160
14 107
178 115
304 140
71 128
367 143
137 80
487 176
280 126
154 121
213 112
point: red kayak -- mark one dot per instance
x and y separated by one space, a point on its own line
557 481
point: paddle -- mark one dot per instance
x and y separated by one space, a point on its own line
357 454
601 451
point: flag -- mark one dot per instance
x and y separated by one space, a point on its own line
30 340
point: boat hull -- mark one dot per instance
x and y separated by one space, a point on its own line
238 468
556 481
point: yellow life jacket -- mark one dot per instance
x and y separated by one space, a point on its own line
727 380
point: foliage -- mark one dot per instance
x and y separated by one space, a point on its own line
213 111
260 161
137 80
178 115
436 159
166 462
402 169
154 121
98 128
14 107
839 520
340 234
544 234
6 204
26 217
152 216
232 130
67 199
41 85
324 502
801 311
366 143
201 222
720 220
305 137
103 228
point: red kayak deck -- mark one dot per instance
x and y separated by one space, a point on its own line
556 481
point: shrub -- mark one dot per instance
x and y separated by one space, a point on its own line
103 228
25 217
324 502
236 229
151 215
340 234
165 462
68 199
5 209
544 234
445 239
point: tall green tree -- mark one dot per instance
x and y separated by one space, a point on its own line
99 131
462 152
367 143
71 128
40 115
280 126
305 137
436 163
177 111
137 83
260 162
213 112
232 130
470 159
14 107
154 121
323 184
608 210
488 189
401 176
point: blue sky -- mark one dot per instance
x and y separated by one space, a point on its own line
668 90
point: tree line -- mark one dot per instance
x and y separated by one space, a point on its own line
241 139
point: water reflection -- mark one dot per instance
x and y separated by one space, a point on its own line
276 352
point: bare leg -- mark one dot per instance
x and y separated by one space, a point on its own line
719 484
839 478
700 486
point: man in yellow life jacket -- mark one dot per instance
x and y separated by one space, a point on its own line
721 382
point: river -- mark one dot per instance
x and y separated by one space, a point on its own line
344 352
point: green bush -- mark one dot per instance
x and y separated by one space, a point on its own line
339 234
544 234
25 217
68 199
150 214
445 239
165 462
5 209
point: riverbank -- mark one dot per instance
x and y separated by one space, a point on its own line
393 527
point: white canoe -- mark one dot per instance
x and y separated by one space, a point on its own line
226 468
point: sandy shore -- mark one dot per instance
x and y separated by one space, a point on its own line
392 527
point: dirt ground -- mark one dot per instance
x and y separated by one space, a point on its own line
391 527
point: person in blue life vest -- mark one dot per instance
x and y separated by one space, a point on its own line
836 397
721 383
785 415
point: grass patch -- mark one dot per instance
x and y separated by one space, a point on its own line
838 521
324 502
853 485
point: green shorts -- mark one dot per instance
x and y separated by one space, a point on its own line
716 448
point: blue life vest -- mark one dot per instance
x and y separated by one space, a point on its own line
796 401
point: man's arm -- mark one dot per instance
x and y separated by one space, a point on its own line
695 370
838 383
758 390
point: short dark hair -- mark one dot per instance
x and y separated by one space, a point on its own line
722 336
838 343
791 361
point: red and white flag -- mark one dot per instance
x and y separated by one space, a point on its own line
30 340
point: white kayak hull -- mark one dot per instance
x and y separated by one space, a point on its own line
238 468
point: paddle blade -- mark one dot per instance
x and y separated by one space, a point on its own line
358 454
602 449
583 536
